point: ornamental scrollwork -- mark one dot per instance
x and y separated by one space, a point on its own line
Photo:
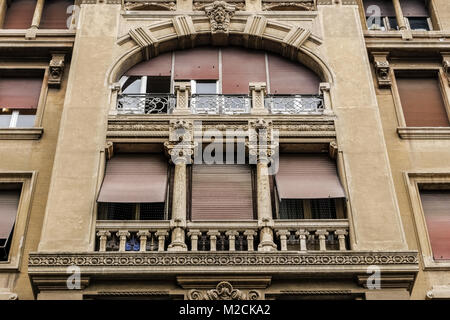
223 291
219 14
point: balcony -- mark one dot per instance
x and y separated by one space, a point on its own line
218 104
231 236
256 102
294 104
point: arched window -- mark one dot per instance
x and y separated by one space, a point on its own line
219 75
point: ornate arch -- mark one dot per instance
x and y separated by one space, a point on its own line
220 26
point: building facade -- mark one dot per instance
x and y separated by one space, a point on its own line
257 149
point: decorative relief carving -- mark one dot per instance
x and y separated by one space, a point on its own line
223 291
219 14
307 5
150 5
200 5
188 259
382 69
56 70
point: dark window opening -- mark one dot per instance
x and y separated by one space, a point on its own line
9 204
419 23
132 211
323 209
291 209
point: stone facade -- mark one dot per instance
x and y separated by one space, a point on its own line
62 159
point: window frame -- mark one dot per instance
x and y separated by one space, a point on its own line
413 180
23 68
16 251
403 130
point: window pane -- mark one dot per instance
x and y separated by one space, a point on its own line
206 87
323 209
131 85
393 23
25 121
120 211
418 23
152 211
5 119
291 209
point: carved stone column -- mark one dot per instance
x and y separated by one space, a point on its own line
182 91
122 235
399 15
143 236
257 92
103 236
31 33
3 5
261 148
180 148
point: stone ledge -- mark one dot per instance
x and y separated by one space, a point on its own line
101 261
425 133
21 134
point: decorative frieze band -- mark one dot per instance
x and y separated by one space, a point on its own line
192 259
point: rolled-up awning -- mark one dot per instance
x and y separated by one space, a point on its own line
308 176
135 178
9 202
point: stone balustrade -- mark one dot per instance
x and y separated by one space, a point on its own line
211 236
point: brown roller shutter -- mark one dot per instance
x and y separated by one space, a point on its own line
9 203
197 64
19 14
20 93
414 8
287 77
386 7
239 68
422 102
158 66
436 206
135 178
222 192
55 15
308 176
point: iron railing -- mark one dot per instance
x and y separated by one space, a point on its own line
220 104
145 103
294 104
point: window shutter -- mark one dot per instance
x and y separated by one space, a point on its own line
436 206
135 178
20 93
239 68
308 176
197 64
55 15
386 7
422 102
287 77
158 66
222 192
19 14
414 8
9 203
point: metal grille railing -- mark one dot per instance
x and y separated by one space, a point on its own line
294 104
145 103
220 104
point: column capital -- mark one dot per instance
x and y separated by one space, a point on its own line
180 153
143 233
104 233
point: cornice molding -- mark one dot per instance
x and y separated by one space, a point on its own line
425 133
21 133
42 262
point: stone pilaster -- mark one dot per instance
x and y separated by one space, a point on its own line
182 91
257 92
